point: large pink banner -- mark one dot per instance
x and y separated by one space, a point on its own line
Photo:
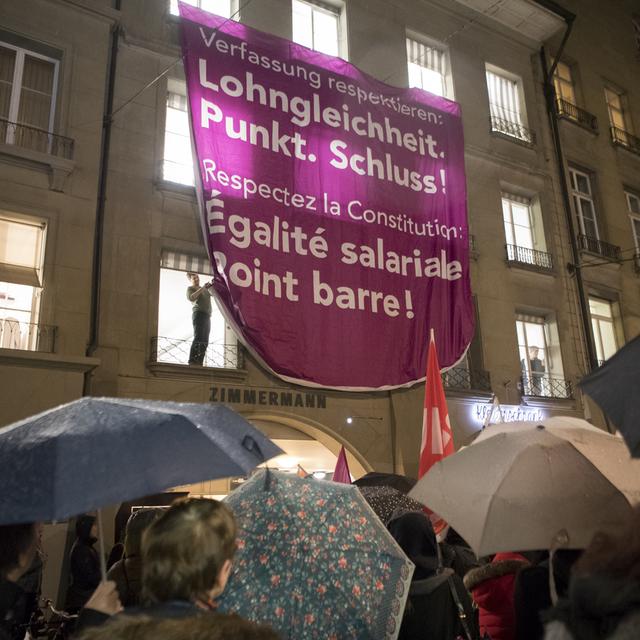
334 208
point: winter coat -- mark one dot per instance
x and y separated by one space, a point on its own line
127 574
84 565
598 607
431 611
13 611
492 588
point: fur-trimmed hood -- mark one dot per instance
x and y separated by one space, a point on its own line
503 564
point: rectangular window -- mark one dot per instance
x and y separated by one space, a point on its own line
604 332
21 263
616 107
563 83
221 8
28 82
540 359
178 160
524 232
633 203
316 26
584 204
506 105
175 326
427 67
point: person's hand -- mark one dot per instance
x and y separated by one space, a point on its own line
105 599
208 285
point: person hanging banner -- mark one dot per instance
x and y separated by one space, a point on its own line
333 208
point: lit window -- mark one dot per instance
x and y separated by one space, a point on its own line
540 359
584 204
178 162
603 326
28 82
633 203
523 231
21 262
615 106
505 105
175 327
219 7
427 67
563 83
316 26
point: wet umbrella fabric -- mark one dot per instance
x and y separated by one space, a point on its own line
615 386
521 485
377 479
314 561
388 502
99 451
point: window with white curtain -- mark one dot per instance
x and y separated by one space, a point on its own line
505 105
28 83
603 325
223 8
317 26
22 243
177 159
427 67
563 83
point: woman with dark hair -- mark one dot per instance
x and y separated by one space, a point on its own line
84 564
127 572
604 591
438 605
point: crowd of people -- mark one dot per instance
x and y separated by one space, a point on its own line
176 562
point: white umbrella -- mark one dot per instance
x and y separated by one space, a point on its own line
523 486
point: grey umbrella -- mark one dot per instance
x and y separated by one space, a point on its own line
99 451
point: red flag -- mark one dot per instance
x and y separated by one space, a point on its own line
437 437
341 472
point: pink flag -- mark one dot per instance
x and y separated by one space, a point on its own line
341 472
437 438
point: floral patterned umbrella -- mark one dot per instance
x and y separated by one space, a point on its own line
314 561
388 502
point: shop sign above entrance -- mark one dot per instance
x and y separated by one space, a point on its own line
333 208
507 413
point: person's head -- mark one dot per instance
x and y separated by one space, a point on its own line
193 278
18 546
533 352
86 529
212 626
137 523
414 533
187 552
616 556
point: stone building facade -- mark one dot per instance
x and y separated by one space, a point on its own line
94 321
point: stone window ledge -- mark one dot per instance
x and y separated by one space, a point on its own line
58 169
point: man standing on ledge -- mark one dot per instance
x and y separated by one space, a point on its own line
200 298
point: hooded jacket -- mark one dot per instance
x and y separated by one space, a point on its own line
492 588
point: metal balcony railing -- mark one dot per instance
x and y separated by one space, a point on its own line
27 336
625 139
22 135
532 257
513 130
461 378
546 386
176 351
602 248
570 111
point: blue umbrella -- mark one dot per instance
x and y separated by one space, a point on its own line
99 451
314 561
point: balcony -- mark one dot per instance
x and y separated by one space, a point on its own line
34 139
530 257
27 336
625 139
600 247
569 111
512 130
546 386
175 351
463 379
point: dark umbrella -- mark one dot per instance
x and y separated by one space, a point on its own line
388 502
99 451
377 479
615 386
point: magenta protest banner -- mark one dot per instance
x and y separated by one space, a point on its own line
334 208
